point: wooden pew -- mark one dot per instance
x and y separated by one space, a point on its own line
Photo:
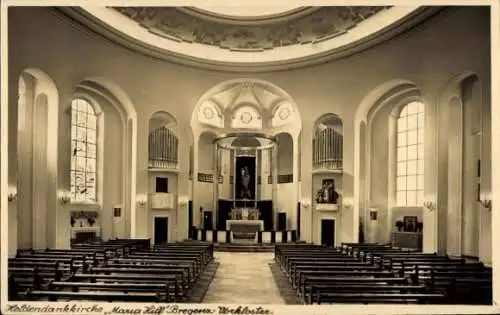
382 298
162 289
96 296
307 282
172 281
373 274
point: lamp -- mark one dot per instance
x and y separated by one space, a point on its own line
141 200
305 202
429 204
11 193
485 200
347 203
183 200
64 196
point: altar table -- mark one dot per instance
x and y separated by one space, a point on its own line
230 223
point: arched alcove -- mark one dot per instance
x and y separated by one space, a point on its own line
472 146
327 143
109 119
465 163
206 152
37 162
163 142
376 159
245 106
285 157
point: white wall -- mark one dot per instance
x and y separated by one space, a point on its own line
287 204
149 213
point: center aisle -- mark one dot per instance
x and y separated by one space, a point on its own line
243 278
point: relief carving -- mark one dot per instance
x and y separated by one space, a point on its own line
181 26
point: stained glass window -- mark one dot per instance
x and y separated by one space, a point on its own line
410 155
83 151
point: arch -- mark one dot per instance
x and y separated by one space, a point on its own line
162 119
37 160
227 93
392 92
376 94
123 105
462 135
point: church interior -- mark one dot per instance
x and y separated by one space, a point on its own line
338 154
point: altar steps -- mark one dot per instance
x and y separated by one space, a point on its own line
243 247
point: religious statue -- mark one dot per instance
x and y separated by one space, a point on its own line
327 193
245 184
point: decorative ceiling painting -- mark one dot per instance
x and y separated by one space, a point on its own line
192 26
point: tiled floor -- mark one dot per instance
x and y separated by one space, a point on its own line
243 278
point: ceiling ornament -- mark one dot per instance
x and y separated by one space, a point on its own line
284 113
178 25
246 117
208 112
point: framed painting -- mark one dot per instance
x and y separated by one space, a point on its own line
410 223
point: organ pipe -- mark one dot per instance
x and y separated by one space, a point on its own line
163 148
327 149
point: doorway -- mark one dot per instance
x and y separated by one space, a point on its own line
160 230
207 220
328 232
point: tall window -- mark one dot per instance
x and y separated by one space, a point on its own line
83 151
410 155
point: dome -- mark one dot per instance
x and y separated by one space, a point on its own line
250 39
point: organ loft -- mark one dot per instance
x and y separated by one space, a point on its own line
249 155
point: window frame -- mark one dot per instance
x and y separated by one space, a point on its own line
98 151
402 160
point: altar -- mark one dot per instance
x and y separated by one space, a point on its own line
245 214
246 225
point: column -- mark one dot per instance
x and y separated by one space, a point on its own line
183 183
455 147
196 203
256 177
274 154
295 181
40 173
234 177
216 185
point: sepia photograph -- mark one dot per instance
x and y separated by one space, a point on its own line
216 158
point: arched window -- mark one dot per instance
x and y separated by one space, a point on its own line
83 151
410 155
